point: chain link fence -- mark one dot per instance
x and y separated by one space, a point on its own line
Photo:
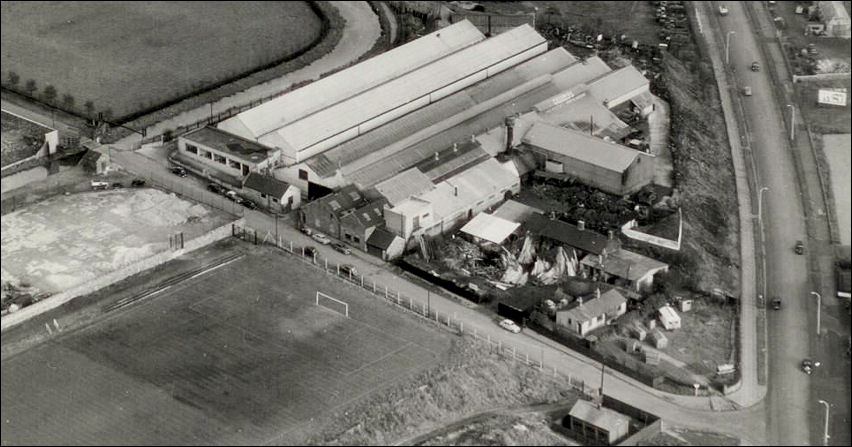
416 306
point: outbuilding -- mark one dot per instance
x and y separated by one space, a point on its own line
669 318
271 193
595 424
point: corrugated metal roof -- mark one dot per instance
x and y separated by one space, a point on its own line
463 191
568 234
491 228
369 104
617 83
344 84
580 146
583 110
387 139
404 185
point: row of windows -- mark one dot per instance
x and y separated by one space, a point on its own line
192 149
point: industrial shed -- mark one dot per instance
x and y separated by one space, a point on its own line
344 120
610 167
285 109
619 86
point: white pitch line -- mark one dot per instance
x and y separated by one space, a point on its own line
213 268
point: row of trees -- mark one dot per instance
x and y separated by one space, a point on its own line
50 96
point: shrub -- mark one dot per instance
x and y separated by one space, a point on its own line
49 94
13 78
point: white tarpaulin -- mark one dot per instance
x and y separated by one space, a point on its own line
527 254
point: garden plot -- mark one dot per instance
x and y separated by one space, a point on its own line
64 241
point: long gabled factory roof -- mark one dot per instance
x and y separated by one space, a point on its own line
309 134
318 95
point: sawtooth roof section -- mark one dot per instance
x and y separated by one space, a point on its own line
386 138
358 109
344 84
580 146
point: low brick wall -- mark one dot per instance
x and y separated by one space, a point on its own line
54 301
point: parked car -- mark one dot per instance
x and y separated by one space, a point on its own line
137 183
117 185
321 238
776 303
99 186
747 91
310 251
231 194
306 230
248 203
510 326
808 365
755 66
800 248
216 188
341 248
178 171
723 11
348 270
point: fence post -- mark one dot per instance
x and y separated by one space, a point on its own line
386 292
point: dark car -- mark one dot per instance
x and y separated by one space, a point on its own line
348 270
117 185
310 251
341 248
137 183
776 303
800 248
247 203
178 171
755 66
216 188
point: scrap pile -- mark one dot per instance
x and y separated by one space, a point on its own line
544 269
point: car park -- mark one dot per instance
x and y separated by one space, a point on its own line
321 238
510 326
341 248
178 171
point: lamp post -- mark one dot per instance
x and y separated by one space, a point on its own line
825 430
728 48
819 305
760 205
792 122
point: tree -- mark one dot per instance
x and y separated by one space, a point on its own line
13 78
90 108
68 101
49 94
31 87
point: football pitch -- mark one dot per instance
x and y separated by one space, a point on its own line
240 354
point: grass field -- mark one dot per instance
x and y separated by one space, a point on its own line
130 56
836 149
237 355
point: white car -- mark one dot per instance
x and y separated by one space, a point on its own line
510 326
723 11
321 238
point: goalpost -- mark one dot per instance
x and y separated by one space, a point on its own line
332 303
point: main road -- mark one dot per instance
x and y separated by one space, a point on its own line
788 401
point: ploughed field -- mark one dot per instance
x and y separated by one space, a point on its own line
131 56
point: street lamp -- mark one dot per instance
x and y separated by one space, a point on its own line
760 205
792 122
825 430
819 305
728 48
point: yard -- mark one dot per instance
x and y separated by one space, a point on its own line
833 53
20 138
218 358
126 57
61 242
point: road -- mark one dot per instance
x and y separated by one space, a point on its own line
789 401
